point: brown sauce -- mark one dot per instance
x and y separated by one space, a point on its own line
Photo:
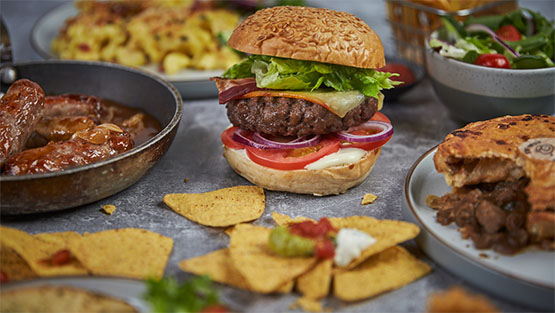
140 124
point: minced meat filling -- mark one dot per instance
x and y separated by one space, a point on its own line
493 215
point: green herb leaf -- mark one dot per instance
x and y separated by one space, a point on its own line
167 296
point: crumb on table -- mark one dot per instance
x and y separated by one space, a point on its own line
109 208
368 198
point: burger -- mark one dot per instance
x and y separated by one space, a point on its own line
304 103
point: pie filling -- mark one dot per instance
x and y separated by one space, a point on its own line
496 216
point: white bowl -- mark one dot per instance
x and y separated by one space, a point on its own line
473 92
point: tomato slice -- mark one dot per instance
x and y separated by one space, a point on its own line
293 159
379 116
508 33
368 146
227 139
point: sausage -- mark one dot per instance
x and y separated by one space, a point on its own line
62 128
20 111
85 147
63 115
73 105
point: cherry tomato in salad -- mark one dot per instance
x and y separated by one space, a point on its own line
493 60
368 146
292 159
508 33
405 74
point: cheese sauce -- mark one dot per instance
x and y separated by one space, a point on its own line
342 157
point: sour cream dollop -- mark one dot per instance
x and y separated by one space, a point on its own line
350 244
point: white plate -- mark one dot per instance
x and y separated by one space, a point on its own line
527 277
190 83
127 290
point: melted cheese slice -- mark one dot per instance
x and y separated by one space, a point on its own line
338 102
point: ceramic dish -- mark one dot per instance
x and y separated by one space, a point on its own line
527 277
190 83
127 290
472 93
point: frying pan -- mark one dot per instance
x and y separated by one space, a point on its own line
81 185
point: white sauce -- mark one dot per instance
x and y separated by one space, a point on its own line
341 157
350 244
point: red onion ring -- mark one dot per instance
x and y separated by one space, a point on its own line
386 131
483 28
241 136
300 142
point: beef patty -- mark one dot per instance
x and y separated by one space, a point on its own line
294 117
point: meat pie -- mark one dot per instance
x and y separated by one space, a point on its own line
503 176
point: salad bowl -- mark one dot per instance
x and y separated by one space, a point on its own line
475 90
472 93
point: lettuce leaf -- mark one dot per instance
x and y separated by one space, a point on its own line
289 74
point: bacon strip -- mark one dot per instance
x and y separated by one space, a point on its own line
230 89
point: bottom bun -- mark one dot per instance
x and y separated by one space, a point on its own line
328 181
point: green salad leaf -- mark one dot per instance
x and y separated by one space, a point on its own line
167 295
536 48
289 74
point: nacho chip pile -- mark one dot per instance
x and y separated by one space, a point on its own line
249 263
126 252
219 208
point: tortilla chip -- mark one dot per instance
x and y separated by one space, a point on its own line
109 209
368 198
262 269
60 238
218 266
13 265
35 251
284 220
391 269
219 208
126 252
387 233
59 299
307 305
229 230
315 284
